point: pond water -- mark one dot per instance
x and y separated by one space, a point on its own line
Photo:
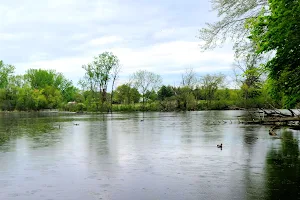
165 156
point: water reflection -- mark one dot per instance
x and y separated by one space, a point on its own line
34 126
166 156
283 169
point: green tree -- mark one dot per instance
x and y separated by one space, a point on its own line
7 99
39 99
6 72
98 72
25 98
53 96
151 95
122 94
185 98
251 77
165 92
8 89
135 95
126 95
277 30
88 82
65 87
40 79
210 84
115 75
144 80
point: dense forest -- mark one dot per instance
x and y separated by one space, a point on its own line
266 70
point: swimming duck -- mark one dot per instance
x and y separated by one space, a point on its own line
219 145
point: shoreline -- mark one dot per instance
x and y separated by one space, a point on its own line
98 112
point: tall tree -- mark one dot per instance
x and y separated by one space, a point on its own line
144 80
277 30
185 98
6 72
7 94
98 72
88 81
184 94
126 94
251 77
41 78
210 84
189 78
165 92
115 74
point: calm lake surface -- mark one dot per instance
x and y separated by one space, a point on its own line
166 156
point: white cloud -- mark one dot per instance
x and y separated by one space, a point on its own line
11 36
58 12
186 32
38 56
7 36
164 58
165 33
104 40
173 57
96 43
78 36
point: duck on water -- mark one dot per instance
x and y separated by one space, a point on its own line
220 145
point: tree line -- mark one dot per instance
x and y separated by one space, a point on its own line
40 89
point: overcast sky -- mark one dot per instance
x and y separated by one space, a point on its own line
153 35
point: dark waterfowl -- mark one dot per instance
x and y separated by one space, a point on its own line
76 124
220 145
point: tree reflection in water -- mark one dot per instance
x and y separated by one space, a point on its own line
282 169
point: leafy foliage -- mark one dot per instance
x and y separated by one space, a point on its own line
145 81
277 30
98 72
5 73
165 92
125 94
210 84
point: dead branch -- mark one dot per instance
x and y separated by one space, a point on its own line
272 132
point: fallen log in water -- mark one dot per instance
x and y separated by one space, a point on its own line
289 122
273 120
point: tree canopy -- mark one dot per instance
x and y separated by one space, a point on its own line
98 73
277 30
